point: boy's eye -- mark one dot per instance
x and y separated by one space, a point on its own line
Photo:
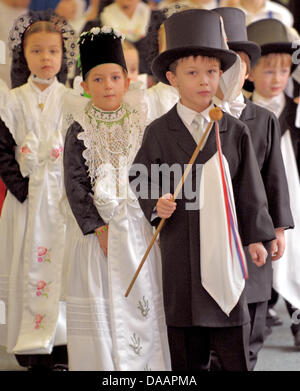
116 77
211 71
98 79
192 73
35 51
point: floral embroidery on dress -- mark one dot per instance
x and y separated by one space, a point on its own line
56 152
136 344
144 307
42 288
43 254
25 150
39 321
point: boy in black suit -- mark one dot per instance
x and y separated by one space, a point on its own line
270 76
265 134
196 317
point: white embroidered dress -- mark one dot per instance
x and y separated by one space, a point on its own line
32 233
107 331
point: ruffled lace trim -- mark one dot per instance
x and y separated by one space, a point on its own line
111 139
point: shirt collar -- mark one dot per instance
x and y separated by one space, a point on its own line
274 104
46 91
188 115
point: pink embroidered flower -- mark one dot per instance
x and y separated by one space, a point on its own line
42 251
25 149
39 321
38 318
42 288
41 284
56 152
43 254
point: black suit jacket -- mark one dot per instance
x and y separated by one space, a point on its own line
265 134
167 140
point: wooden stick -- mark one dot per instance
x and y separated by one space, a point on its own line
215 114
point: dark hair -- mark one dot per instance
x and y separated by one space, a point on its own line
173 65
38 27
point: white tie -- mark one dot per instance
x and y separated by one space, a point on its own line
198 131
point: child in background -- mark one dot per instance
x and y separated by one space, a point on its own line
261 9
32 227
107 234
270 76
265 134
204 301
132 63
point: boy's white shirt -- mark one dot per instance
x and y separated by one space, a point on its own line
275 104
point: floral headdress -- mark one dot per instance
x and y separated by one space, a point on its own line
100 45
96 31
19 70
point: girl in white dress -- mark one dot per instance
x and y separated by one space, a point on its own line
32 227
109 234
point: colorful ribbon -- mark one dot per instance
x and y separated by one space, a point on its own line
231 223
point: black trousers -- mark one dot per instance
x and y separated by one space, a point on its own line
190 347
258 314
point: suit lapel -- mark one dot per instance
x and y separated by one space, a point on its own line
186 141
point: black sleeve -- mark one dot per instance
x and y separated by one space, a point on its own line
274 178
255 223
9 167
77 183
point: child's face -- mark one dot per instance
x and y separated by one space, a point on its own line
132 63
107 84
269 81
43 53
197 80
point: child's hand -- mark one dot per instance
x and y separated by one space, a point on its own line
165 207
258 253
102 235
278 244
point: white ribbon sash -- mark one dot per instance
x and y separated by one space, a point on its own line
221 273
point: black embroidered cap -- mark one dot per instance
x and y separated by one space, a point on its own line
100 45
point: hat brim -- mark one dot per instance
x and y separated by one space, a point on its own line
250 48
277 47
161 64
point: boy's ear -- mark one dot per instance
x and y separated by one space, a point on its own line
250 76
172 79
85 87
127 82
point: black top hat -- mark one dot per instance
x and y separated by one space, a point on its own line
271 35
236 31
100 46
192 32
